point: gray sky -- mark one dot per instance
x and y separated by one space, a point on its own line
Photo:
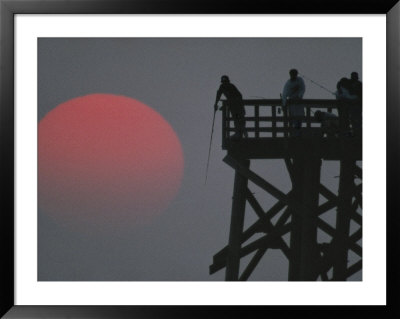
179 78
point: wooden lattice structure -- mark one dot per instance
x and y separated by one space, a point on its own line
299 211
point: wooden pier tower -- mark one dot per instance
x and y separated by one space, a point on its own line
299 211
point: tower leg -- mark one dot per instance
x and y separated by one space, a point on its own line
237 221
296 221
346 188
303 238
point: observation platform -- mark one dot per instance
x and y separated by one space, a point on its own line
270 136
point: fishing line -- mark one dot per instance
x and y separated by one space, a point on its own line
316 83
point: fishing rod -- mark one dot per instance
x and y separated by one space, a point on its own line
316 83
209 148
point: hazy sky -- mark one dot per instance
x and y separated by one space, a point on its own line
178 78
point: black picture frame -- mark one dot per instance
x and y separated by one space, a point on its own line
9 8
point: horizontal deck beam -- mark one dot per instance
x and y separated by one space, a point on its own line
279 148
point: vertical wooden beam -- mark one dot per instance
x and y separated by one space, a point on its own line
257 121
296 222
343 218
308 116
303 237
237 221
310 196
273 121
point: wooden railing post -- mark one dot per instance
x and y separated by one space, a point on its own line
285 122
273 121
308 116
257 121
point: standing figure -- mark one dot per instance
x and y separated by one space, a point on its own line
293 91
235 104
355 86
356 110
349 91
344 91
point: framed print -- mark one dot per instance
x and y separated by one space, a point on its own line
123 199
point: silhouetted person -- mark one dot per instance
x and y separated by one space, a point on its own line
344 91
329 123
235 104
356 109
355 86
293 91
349 91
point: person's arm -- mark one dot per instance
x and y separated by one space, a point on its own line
346 95
218 97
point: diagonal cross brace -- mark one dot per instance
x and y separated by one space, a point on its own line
220 257
259 181
261 243
268 225
285 199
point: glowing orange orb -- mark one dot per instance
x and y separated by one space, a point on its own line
107 160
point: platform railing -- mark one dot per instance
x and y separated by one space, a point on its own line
266 118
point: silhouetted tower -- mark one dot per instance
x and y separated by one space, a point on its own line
298 212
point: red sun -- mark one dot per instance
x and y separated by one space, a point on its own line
106 160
